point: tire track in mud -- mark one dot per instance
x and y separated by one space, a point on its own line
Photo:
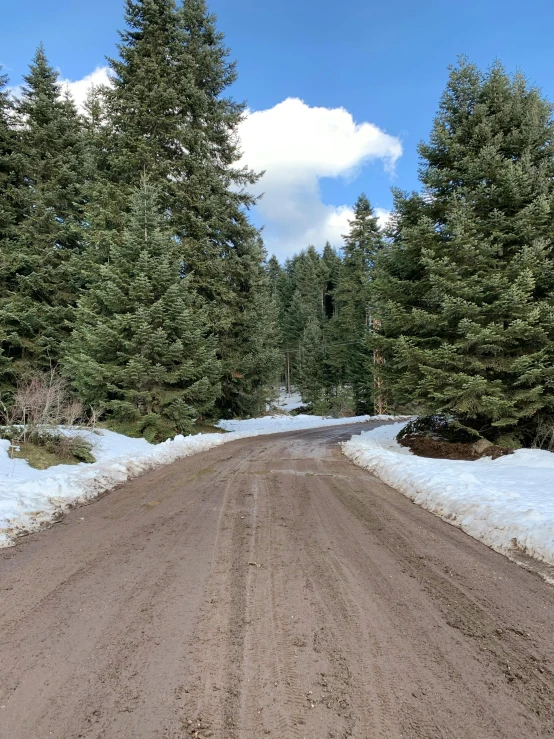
355 689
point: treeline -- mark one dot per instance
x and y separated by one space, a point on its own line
129 265
325 319
127 259
452 309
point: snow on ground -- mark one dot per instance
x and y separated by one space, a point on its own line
30 498
507 503
289 401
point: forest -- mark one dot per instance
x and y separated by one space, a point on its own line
135 287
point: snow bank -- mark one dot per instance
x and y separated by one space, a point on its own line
507 503
31 498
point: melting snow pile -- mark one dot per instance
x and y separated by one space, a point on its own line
507 503
29 498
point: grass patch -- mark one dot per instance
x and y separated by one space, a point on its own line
127 428
206 428
45 450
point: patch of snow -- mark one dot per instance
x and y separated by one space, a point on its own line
507 503
289 401
30 498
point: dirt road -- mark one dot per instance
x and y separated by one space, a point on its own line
269 588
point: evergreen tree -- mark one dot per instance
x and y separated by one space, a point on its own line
311 369
7 210
140 349
169 118
310 279
465 289
273 272
332 264
39 273
7 161
353 350
253 352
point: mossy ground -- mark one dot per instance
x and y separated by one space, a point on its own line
42 456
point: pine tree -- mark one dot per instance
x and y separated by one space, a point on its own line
7 160
221 247
169 118
254 352
332 264
310 279
354 352
465 289
311 368
8 216
39 272
140 349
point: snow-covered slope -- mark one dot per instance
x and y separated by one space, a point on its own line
507 503
30 498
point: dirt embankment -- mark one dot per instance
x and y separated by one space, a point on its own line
269 588
427 446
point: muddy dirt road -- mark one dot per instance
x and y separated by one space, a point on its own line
269 588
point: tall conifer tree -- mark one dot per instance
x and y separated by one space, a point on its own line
40 276
169 118
354 352
140 350
465 289
8 214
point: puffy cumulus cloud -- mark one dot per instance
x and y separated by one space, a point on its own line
297 145
79 88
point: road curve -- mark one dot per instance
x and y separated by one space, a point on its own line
269 588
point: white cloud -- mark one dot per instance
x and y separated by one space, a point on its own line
80 88
297 145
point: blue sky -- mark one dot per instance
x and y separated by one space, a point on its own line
384 63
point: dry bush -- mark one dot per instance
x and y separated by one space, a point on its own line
544 434
32 418
41 403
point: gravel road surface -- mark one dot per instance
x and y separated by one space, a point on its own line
269 588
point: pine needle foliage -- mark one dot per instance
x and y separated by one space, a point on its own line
465 287
141 351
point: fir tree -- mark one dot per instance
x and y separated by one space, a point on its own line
253 353
8 215
311 369
169 118
39 273
332 265
465 290
8 145
295 320
353 351
140 350
310 279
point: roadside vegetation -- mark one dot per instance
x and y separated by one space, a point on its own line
131 274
